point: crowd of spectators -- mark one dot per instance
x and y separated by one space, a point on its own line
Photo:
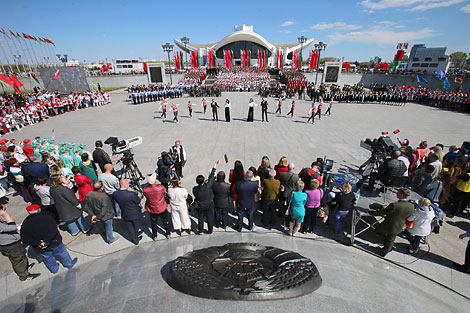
242 79
193 76
21 110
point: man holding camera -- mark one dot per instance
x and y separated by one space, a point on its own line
178 151
102 157
392 167
164 169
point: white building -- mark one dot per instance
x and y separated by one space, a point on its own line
428 59
127 66
244 38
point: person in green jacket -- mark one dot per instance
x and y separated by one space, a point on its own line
395 215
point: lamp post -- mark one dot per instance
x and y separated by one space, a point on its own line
185 40
168 48
302 40
320 46
64 59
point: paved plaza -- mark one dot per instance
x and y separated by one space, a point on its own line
354 279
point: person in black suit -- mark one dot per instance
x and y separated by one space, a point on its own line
246 190
101 157
129 203
214 107
204 201
222 201
264 109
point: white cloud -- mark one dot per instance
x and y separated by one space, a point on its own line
385 4
304 31
286 31
428 5
466 9
381 36
287 23
416 5
368 11
337 26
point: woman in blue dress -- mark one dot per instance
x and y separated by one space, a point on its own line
297 199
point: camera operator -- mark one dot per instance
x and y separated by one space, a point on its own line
178 151
102 157
392 167
165 169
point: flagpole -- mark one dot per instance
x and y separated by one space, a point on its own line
30 56
4 53
25 57
41 49
52 54
11 53
17 66
46 57
34 53
38 49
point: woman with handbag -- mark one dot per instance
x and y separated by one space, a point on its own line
422 217
297 199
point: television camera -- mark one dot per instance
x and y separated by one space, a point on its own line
380 149
129 169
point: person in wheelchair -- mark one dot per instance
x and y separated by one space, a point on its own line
391 168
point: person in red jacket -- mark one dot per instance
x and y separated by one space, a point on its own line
27 149
156 205
83 183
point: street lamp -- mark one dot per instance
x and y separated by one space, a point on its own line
168 48
64 59
320 46
302 40
185 40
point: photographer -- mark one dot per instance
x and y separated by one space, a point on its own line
165 169
392 167
102 158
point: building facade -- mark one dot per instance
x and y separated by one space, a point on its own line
244 38
429 60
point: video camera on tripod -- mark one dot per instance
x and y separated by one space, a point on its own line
380 149
129 170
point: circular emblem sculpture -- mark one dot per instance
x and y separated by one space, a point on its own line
244 271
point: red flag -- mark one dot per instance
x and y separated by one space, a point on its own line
16 81
56 76
4 32
5 80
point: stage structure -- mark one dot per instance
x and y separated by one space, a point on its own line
244 38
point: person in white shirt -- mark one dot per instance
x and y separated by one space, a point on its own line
178 207
422 217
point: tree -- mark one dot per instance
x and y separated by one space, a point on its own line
458 58
327 59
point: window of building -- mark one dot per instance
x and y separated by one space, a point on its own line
424 64
119 66
442 59
415 59
427 59
415 64
433 65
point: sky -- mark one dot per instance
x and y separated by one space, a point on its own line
356 30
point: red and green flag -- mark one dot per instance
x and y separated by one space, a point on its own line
5 81
181 58
458 80
56 75
5 33
33 77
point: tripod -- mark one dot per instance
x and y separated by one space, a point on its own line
131 171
